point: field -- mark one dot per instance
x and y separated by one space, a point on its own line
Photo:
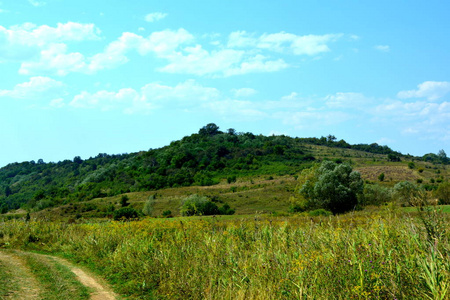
372 254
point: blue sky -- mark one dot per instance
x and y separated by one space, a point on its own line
80 78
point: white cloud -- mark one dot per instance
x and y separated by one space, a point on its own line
58 103
104 100
37 88
156 16
150 97
383 48
432 90
55 59
26 42
347 100
312 119
162 43
244 92
37 3
236 110
284 42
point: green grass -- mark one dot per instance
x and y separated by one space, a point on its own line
364 255
442 208
6 283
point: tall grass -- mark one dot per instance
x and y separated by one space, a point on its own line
355 256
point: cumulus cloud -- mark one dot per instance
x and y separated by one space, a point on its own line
432 90
236 110
244 92
149 97
45 49
283 42
382 48
30 43
156 16
36 88
36 3
347 100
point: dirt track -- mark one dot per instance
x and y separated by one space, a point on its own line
23 284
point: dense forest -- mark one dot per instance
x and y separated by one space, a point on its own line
201 159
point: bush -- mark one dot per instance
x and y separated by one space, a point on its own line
226 210
405 192
375 195
231 179
167 214
125 213
196 205
319 212
443 193
124 201
148 206
331 186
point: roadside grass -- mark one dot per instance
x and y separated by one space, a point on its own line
6 282
57 281
441 208
361 255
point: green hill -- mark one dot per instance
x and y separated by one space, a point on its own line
249 172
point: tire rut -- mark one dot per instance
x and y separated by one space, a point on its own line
22 276
29 289
99 291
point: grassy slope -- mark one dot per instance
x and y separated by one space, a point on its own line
264 193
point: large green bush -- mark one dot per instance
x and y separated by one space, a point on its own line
331 186
196 205
125 213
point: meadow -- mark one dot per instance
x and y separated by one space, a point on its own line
373 254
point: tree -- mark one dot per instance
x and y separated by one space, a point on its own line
442 156
209 130
334 187
443 193
148 206
405 192
124 201
7 191
125 213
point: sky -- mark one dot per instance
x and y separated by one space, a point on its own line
78 78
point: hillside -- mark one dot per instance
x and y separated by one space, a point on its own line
249 172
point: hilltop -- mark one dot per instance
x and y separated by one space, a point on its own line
249 172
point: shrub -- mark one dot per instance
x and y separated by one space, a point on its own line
375 195
443 193
148 206
319 212
125 213
196 205
381 177
231 179
411 165
332 187
226 210
405 192
124 201
167 214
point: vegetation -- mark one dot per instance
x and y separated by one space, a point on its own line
202 159
159 224
386 255
330 186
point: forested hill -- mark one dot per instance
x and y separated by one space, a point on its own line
203 158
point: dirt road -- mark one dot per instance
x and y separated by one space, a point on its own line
25 275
